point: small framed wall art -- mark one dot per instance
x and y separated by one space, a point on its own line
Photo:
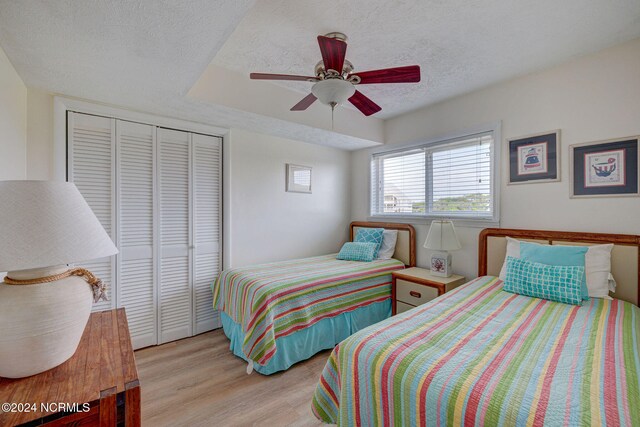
298 179
534 158
605 168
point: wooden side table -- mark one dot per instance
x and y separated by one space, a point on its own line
414 286
98 385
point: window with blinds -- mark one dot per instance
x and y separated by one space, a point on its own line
452 178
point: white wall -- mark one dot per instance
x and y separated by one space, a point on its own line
39 134
592 98
265 222
13 122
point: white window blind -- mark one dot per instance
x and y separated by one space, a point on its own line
449 178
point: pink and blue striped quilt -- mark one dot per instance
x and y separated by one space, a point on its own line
274 300
481 356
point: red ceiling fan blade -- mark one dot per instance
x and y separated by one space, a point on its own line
333 53
364 104
409 74
305 103
267 76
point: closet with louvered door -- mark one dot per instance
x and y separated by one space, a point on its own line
175 273
91 160
157 192
135 169
207 171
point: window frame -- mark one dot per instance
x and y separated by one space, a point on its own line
433 143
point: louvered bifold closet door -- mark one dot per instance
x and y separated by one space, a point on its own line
158 194
207 178
175 275
91 158
136 268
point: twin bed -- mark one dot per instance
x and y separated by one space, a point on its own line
281 313
475 356
481 356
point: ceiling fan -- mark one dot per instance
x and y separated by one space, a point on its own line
335 80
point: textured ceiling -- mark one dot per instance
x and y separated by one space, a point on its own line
92 46
146 55
461 45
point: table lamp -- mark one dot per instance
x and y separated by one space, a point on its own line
442 238
44 303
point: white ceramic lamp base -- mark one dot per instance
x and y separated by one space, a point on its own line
441 264
41 325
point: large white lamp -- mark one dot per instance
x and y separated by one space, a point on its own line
44 303
442 238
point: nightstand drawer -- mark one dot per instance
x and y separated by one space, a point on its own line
402 307
414 294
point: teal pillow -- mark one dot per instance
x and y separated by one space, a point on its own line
560 283
370 235
557 255
358 251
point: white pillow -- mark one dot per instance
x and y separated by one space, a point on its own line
513 250
388 246
597 263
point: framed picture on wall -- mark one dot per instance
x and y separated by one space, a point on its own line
534 158
605 168
298 179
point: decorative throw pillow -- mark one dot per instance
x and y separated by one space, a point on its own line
370 235
597 263
357 251
388 246
557 255
560 283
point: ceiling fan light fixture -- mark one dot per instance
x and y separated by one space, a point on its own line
335 80
333 91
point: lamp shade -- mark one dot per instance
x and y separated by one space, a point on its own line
442 237
46 223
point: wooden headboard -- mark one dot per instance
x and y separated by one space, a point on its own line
625 256
406 244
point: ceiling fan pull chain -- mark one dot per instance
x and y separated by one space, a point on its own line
333 107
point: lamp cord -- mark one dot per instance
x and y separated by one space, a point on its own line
98 287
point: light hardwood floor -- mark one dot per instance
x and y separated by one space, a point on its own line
198 382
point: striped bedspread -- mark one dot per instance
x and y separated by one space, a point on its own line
274 300
482 356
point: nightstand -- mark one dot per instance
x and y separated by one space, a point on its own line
97 386
414 286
